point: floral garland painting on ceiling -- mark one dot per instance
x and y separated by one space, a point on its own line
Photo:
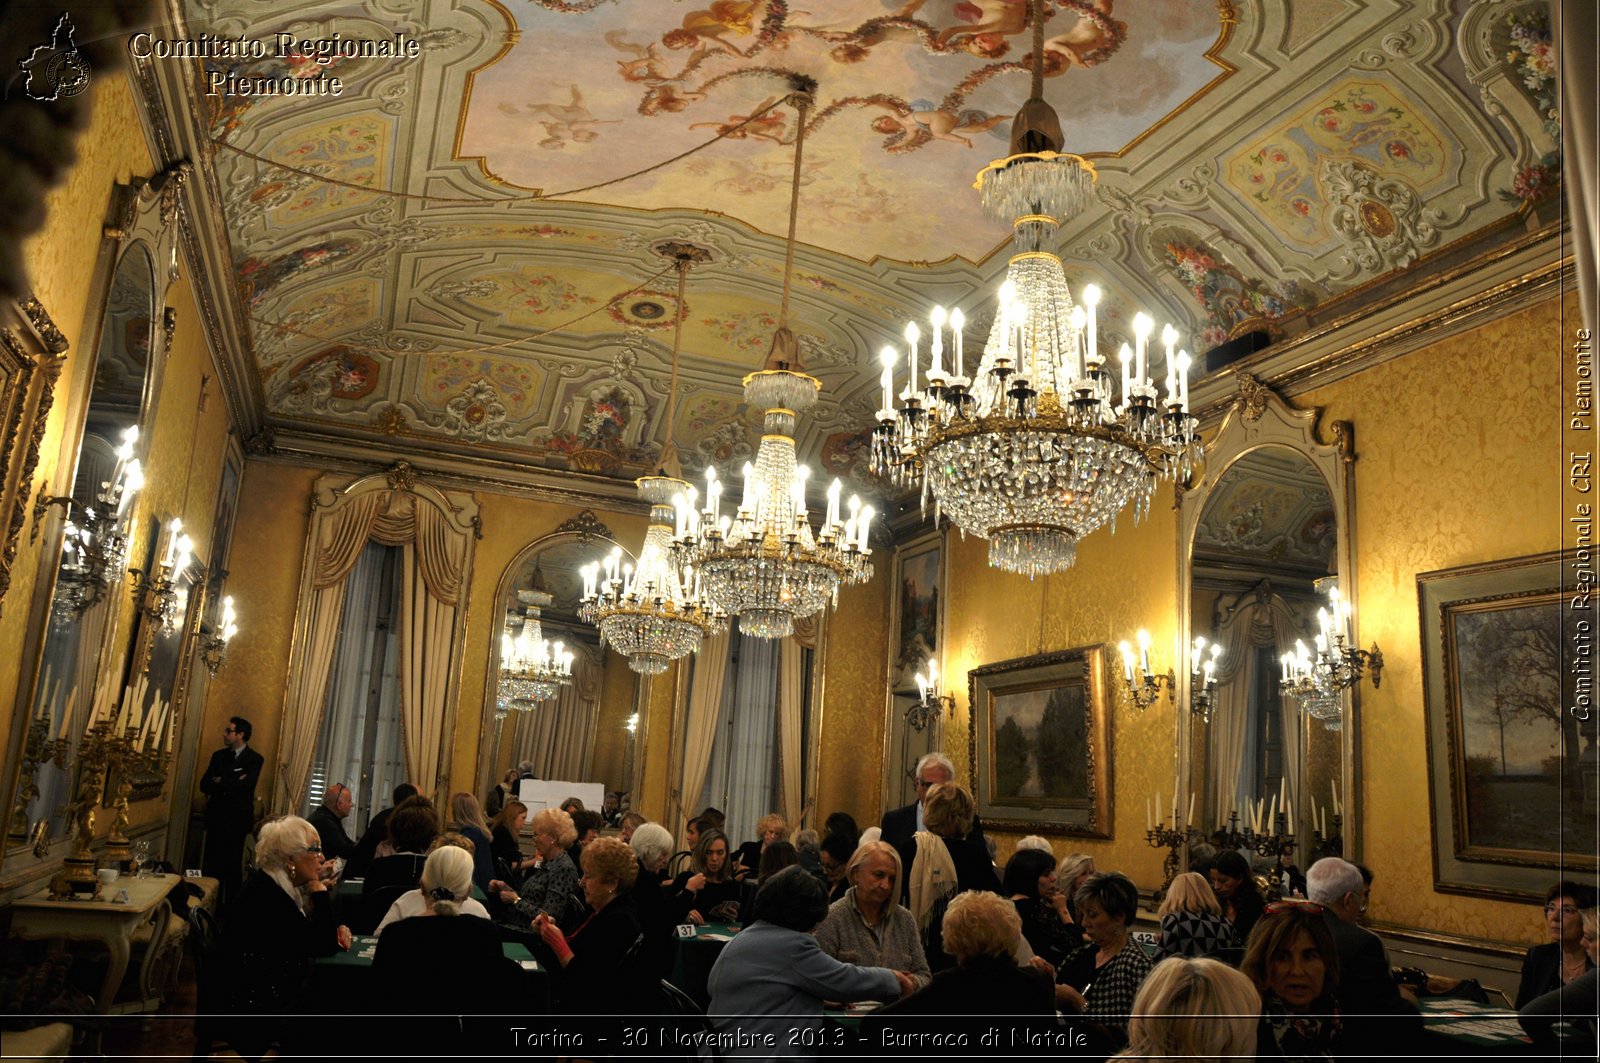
1230 300
599 444
1533 56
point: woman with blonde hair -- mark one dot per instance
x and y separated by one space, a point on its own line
466 818
1196 1009
595 965
943 862
770 828
1191 920
550 883
867 926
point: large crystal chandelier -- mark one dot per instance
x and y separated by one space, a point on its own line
654 612
763 562
1317 680
532 668
1038 448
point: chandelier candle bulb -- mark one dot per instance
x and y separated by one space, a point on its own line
1144 655
913 334
863 526
936 366
1189 818
1127 661
1127 374
957 322
887 358
1091 300
1183 381
1142 326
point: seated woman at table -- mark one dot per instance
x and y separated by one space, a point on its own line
1235 886
1572 1006
442 936
833 856
595 965
412 827
415 901
652 847
1201 1009
1191 920
549 884
279 923
774 858
1293 962
466 818
706 892
772 827
1548 967
1031 883
980 931
868 926
509 862
772 978
1101 979
504 790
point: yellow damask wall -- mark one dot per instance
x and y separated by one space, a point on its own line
1459 461
1121 582
849 753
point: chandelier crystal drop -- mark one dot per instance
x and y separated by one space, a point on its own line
1039 447
764 563
1317 680
532 669
654 612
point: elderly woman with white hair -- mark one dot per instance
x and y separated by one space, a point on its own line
653 846
437 938
868 926
279 923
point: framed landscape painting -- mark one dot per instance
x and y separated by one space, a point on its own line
918 610
1040 743
1504 752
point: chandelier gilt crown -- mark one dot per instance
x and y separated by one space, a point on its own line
1039 447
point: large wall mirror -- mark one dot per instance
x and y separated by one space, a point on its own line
1267 533
582 733
82 653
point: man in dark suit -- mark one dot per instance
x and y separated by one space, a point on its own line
229 784
1378 1017
328 819
900 824
376 834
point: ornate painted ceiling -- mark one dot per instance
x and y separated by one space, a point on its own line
1270 515
406 284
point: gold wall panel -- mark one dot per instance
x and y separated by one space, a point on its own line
854 681
1458 461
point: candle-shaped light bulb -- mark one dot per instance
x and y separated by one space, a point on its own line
1144 652
1091 300
958 321
933 675
1008 292
886 358
1127 660
1142 324
833 503
936 367
913 334
922 687
173 530
1126 357
1183 380
863 525
747 504
798 489
507 649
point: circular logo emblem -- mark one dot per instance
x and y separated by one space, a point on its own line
68 74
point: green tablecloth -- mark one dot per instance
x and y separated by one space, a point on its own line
692 958
362 946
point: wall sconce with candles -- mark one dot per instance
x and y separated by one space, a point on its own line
214 650
1317 681
94 545
161 596
932 702
1202 676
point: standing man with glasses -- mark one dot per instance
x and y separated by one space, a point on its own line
901 824
229 784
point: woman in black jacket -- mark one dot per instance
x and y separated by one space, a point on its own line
1548 967
598 960
707 891
943 861
278 924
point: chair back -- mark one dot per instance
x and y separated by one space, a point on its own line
679 863
375 905
690 1019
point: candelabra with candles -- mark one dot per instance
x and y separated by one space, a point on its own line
1317 681
1173 838
214 650
94 544
1331 844
1145 689
932 702
77 874
38 748
162 595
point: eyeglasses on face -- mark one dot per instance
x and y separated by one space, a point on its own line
1564 909
312 849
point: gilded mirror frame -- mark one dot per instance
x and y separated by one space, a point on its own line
142 218
1258 418
583 529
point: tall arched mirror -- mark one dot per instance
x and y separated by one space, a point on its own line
586 730
80 645
1267 531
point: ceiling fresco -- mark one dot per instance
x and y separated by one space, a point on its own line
405 282
1270 514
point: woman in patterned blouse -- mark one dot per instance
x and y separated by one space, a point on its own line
1191 920
1102 978
550 884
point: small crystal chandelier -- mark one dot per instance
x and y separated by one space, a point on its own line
94 546
532 669
164 597
764 563
1145 689
214 650
1317 681
932 703
1035 451
654 612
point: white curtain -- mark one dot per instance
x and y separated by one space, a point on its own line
341 755
741 778
700 722
557 736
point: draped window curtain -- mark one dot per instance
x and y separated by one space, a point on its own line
741 779
1259 623
557 736
793 659
341 749
709 667
435 532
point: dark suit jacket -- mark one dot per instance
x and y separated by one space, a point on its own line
1377 1019
376 834
604 965
229 784
899 824
268 945
968 999
1541 972
335 842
